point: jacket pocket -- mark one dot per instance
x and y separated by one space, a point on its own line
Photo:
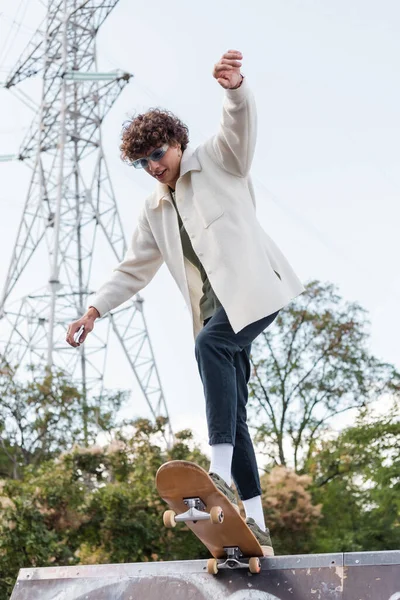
208 208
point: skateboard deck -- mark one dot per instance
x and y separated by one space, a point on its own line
179 480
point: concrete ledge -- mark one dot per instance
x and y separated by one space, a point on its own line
350 576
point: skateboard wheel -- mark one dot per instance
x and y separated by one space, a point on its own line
169 519
216 515
212 566
254 565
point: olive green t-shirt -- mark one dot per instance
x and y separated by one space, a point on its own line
209 302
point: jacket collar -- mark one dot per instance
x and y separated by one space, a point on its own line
189 162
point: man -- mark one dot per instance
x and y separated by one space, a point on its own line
201 221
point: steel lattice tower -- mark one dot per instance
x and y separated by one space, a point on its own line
70 199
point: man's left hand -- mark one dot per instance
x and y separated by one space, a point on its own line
227 70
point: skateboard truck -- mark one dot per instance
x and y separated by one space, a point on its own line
196 512
234 554
233 561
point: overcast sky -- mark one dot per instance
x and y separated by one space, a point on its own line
325 74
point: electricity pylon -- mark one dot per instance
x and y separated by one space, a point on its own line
70 199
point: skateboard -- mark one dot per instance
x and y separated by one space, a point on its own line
195 500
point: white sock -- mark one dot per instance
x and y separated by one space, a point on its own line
221 461
254 510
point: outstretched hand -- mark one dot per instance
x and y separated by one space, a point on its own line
227 70
87 321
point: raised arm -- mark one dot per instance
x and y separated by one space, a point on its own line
141 263
234 144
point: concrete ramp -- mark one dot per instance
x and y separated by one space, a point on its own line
352 576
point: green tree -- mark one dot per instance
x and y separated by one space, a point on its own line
313 364
37 518
125 513
290 510
41 417
94 504
357 480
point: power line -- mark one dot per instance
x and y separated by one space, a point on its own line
23 5
23 26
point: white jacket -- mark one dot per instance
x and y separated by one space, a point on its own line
215 198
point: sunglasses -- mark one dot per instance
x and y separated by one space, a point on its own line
156 155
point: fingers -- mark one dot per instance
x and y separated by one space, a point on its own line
235 54
225 66
230 62
73 329
232 57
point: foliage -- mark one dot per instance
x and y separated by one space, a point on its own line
36 520
99 504
95 504
44 416
66 500
289 511
357 481
313 364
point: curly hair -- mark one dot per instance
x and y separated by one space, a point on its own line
151 130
